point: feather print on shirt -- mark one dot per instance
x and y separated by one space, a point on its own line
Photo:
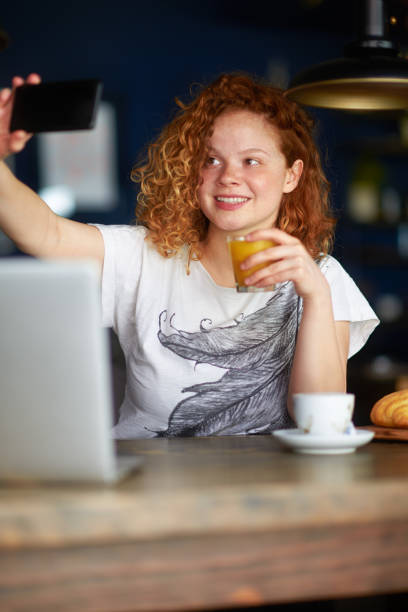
257 353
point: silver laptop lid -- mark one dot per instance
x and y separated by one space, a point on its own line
55 387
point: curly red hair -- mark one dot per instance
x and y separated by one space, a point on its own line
170 176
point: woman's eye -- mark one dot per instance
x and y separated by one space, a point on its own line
252 162
212 161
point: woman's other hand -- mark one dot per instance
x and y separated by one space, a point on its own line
288 260
12 142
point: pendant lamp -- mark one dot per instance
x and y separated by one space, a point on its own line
371 76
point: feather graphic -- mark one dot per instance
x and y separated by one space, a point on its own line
256 352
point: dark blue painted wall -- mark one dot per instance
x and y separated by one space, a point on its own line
146 53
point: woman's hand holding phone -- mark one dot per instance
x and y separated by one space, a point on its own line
12 142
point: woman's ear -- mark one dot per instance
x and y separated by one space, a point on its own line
293 175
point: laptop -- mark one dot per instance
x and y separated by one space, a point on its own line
56 400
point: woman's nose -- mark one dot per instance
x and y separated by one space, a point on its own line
229 175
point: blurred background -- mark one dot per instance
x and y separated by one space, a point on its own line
149 53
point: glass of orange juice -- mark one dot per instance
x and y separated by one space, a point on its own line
240 249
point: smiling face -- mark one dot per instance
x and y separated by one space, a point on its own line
245 174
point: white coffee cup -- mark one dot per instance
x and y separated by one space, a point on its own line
324 414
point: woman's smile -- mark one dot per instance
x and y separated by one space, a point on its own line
230 202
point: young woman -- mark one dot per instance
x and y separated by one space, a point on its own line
201 358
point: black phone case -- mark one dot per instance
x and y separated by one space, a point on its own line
56 107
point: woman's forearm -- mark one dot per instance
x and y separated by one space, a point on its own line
320 360
37 230
24 217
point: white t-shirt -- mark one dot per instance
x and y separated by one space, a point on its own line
203 359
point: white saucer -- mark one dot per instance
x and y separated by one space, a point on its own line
300 442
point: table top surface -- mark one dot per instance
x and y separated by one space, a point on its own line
208 485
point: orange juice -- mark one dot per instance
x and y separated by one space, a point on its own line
240 249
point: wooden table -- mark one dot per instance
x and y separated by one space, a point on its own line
210 522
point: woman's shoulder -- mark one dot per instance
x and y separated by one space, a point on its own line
333 270
123 238
129 243
328 263
134 232
338 278
349 304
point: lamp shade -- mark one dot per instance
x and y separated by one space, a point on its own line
354 83
370 77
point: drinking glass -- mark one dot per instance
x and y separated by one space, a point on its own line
240 249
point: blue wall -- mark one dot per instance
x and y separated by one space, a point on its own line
146 53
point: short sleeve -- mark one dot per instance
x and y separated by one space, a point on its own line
121 267
349 304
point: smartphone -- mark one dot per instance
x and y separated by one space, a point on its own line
56 107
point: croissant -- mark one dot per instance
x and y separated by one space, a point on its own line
391 410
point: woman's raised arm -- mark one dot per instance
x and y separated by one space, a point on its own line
24 217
